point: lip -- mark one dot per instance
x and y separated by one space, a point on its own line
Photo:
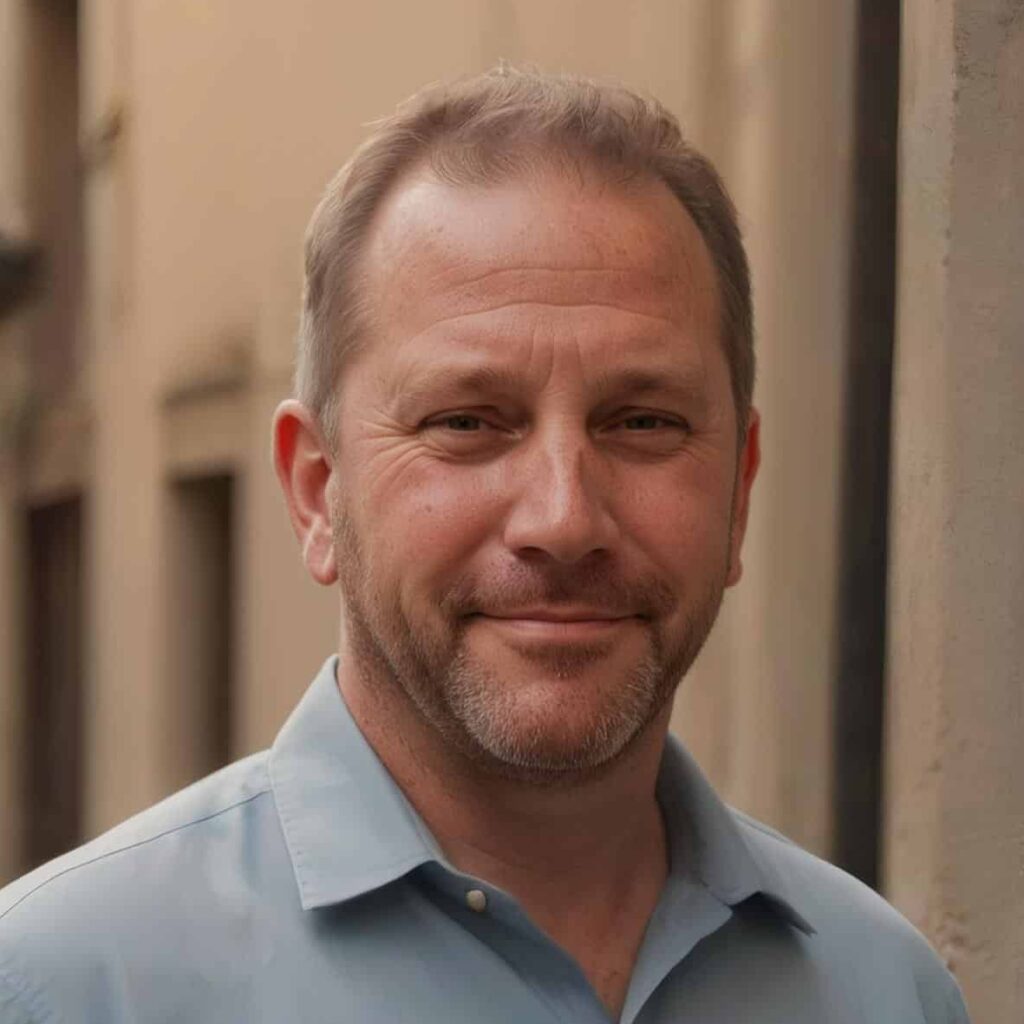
560 624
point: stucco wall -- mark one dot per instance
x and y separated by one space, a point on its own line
955 757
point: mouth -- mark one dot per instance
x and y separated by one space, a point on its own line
561 624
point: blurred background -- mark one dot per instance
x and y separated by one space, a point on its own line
863 691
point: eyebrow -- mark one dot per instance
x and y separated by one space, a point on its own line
440 381
679 381
685 381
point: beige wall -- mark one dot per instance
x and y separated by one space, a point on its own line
955 757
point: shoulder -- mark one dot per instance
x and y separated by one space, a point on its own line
106 901
854 926
831 900
200 808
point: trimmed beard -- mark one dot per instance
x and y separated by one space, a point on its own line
465 701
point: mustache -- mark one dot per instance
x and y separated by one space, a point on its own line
593 586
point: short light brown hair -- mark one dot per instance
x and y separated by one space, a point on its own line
487 129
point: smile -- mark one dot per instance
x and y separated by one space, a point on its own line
557 626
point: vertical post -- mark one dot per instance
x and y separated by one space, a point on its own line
12 333
11 676
954 837
124 523
863 511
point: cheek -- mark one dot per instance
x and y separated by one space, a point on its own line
428 524
679 522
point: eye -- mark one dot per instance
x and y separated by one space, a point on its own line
468 433
649 432
459 423
646 421
462 423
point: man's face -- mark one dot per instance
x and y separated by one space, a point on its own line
537 465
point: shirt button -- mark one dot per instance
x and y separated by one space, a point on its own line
476 899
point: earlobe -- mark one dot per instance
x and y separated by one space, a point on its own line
305 470
746 472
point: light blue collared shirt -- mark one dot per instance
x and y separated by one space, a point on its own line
299 885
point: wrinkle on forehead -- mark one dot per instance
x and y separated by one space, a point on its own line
439 250
465 317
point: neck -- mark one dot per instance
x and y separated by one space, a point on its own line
584 856
587 826
584 840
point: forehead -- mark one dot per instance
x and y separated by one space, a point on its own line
438 252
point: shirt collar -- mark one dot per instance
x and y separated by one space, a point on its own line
706 839
349 829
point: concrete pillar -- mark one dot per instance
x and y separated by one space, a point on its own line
124 679
954 852
784 106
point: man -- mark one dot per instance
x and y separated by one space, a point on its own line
524 446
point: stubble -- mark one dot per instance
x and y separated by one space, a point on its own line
482 715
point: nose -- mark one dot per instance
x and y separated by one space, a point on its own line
562 510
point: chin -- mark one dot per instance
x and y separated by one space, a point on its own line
549 757
554 728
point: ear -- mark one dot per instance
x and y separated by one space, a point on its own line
305 468
746 471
